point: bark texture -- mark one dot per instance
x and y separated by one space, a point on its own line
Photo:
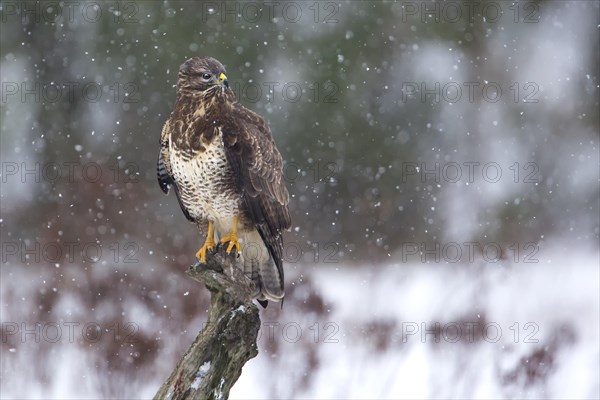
214 362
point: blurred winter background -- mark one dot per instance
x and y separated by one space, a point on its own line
443 163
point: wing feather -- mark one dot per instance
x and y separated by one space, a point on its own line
258 169
163 168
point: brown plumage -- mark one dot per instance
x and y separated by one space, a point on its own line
222 162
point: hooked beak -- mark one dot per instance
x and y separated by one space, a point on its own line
223 80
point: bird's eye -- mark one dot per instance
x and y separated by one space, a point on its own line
206 76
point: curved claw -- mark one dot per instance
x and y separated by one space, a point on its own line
209 244
232 239
201 254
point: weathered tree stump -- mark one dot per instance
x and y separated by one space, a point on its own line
214 362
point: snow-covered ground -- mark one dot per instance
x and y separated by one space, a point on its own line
444 331
402 330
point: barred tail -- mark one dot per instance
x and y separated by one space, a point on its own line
259 266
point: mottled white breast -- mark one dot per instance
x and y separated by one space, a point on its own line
206 182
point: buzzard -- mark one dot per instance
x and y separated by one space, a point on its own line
222 162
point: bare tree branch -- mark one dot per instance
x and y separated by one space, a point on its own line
214 362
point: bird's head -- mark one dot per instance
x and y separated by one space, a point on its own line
201 74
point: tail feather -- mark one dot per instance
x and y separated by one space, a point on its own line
271 286
259 266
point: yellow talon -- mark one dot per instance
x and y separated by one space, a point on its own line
232 238
209 244
233 242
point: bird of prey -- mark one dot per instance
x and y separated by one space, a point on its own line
222 162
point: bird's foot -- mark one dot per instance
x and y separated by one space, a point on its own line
233 242
201 254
